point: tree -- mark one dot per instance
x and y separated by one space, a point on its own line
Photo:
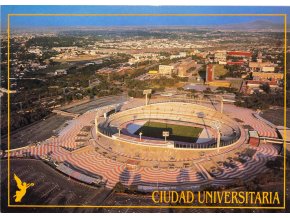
119 187
265 87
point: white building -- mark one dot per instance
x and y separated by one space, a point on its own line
165 69
220 56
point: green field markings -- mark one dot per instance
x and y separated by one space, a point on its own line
176 132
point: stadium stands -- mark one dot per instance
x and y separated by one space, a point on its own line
155 166
183 113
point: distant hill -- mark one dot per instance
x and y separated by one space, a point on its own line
258 25
261 25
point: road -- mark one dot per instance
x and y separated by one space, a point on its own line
100 102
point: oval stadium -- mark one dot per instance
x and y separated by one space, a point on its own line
166 145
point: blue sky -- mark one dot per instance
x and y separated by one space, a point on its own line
17 22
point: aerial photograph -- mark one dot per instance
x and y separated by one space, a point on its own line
143 109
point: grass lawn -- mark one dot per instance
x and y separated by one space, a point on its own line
176 132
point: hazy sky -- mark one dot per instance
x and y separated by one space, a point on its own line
134 21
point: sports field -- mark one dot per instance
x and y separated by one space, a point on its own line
176 132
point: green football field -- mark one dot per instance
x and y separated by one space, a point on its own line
176 132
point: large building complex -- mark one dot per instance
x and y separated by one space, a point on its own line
261 66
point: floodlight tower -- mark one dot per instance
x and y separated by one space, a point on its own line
219 98
96 123
165 134
217 125
222 104
146 92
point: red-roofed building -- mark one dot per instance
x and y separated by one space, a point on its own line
254 139
235 62
239 53
256 83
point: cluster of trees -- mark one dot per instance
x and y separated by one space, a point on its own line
136 87
227 89
135 84
276 164
48 54
103 89
136 93
233 71
265 87
197 59
120 188
4 76
266 99
263 100
163 81
18 120
233 58
67 88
